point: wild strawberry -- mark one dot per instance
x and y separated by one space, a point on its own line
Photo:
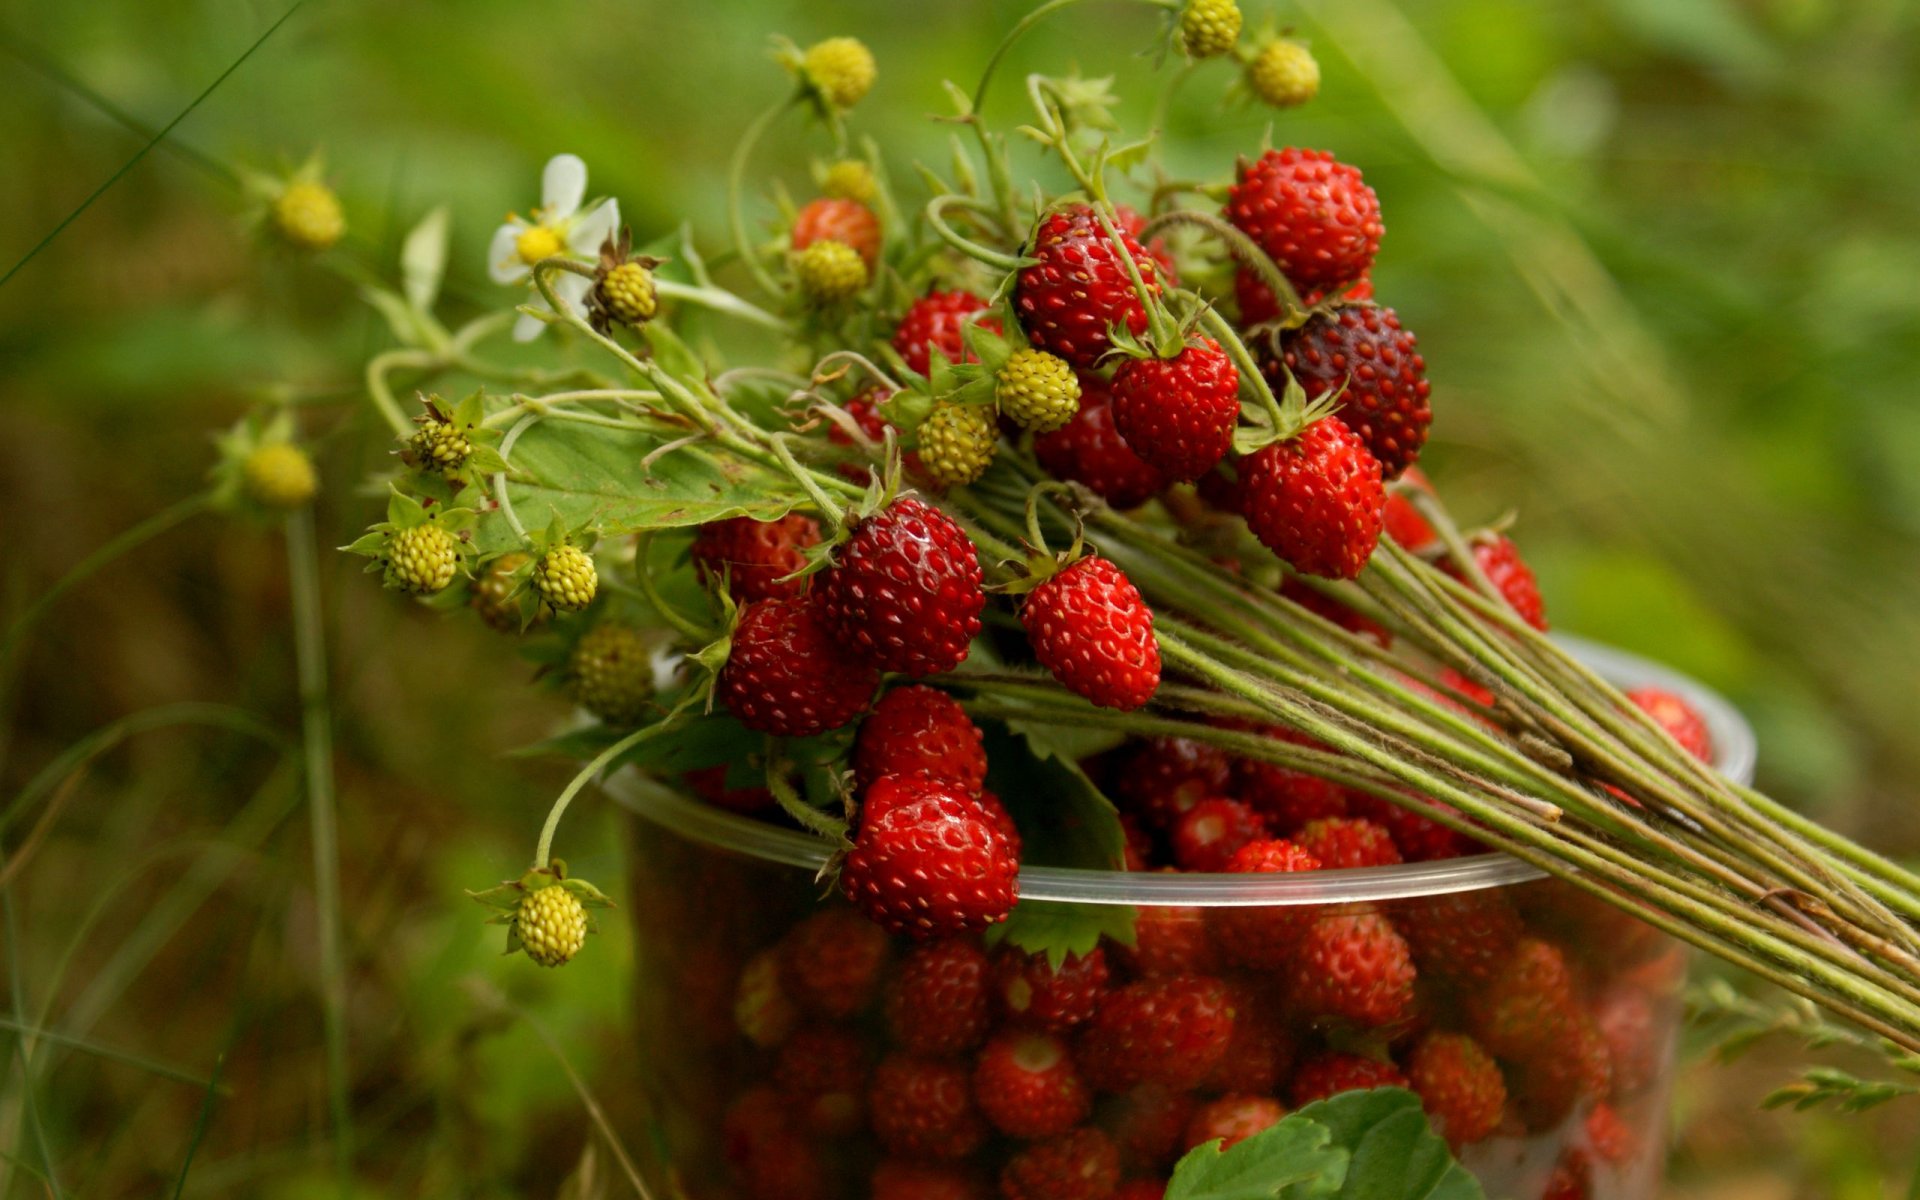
1178 414
934 322
1527 1005
1465 938
1460 1086
762 1010
905 591
937 1003
1316 500
1025 1083
1287 799
710 784
1419 838
1148 1124
788 676
957 444
623 292
1265 937
1352 965
1553 1079
1609 1135
1572 1178
839 70
1162 777
822 1070
918 728
1362 352
1233 1119
828 273
610 673
1090 628
1592 926
1078 288
846 221
1405 525
1129 221
1209 28
848 179
1088 449
565 578
1211 832
420 559
1332 1072
998 816
927 862
864 408
1080 1165
1499 560
1170 1030
307 215
782 1165
831 963
1029 991
923 1108
496 594
755 557
900 1179
1315 217
1345 842
1258 306
551 925
1037 390
1680 719
1142 1189
278 475
1283 73
1261 1052
1630 1023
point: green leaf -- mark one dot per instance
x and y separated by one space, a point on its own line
1064 820
1058 930
1275 1162
401 319
1396 1155
423 260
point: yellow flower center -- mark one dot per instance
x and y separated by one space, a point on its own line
537 242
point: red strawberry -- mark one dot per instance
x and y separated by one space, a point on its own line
1029 991
1352 965
1001 819
1404 522
771 1159
1025 1083
1262 1049
1553 1079
831 220
786 674
936 1004
1500 561
1089 450
822 1069
1131 223
1080 1165
1078 289
1142 1189
905 591
900 1179
1315 217
832 963
1149 1124
1361 351
1178 414
1678 718
1344 842
927 861
1333 1072
1466 938
1528 1005
1287 799
710 784
1090 628
1172 1031
1170 940
1233 1119
1162 777
1459 1085
918 728
1419 838
864 408
754 557
1213 831
1257 305
923 1108
1572 1178
1316 500
1609 1135
1629 1021
934 322
1265 937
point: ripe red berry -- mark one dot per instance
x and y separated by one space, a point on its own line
935 322
905 592
1572 1178
1000 818
1678 718
1316 500
832 963
1630 1022
923 1108
1258 306
771 1158
832 220
1419 838
1609 1135
1527 1005
822 1070
1287 799
1178 414
1168 1030
1233 1119
1262 1050
1345 842
1080 1165
1362 352
1025 1083
1142 1189
1500 561
787 675
755 557
1162 777
1211 832
927 861
1089 450
918 728
1554 1079
1315 217
1090 628
901 1179
937 1002
1465 938
1079 288
1460 1086
1333 1072
1027 990
1405 525
1265 937
710 784
1149 1125
1131 223
1353 966
1170 940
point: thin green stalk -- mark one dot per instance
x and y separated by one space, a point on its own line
29 1104
382 365
721 301
736 184
543 851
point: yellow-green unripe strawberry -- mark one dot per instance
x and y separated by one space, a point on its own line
828 273
308 215
1284 74
849 179
495 598
840 69
610 674
1037 390
1209 28
566 579
439 445
421 559
957 443
552 925
627 294
278 475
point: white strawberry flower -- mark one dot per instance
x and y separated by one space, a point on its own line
557 227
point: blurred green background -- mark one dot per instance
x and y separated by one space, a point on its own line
1661 255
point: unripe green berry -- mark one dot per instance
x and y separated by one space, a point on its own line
627 294
1039 391
1209 28
440 446
957 443
849 179
552 925
278 475
494 599
828 273
308 215
1284 74
565 578
421 559
840 69
609 673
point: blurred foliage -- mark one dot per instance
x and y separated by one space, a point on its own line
1660 254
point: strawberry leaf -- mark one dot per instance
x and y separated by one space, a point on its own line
1059 930
1064 819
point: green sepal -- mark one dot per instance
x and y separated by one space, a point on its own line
588 895
1059 930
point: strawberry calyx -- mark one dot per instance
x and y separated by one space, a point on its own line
1267 420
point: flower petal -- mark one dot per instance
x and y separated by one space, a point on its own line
563 185
572 290
527 328
587 234
503 254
